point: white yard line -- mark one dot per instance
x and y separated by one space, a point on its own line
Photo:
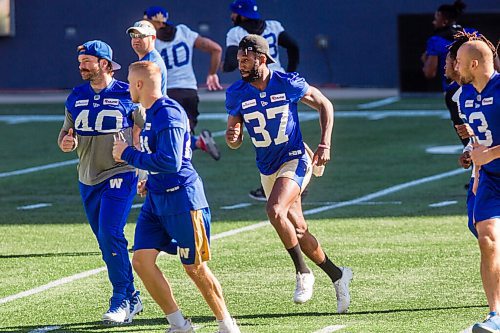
52 284
380 102
329 329
236 206
34 206
45 329
365 198
443 203
37 168
386 191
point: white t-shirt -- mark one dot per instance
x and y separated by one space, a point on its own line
270 33
178 57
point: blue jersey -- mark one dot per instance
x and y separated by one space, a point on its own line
166 148
438 44
108 111
155 57
270 117
483 115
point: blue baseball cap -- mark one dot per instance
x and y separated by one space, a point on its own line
157 14
246 8
99 49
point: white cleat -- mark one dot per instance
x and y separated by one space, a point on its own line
233 329
342 290
187 328
135 306
117 315
303 288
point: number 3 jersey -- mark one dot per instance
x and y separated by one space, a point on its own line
96 117
483 115
270 117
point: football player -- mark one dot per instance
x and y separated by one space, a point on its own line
176 44
247 20
95 112
175 205
480 103
266 102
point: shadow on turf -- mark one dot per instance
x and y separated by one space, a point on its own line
55 254
97 326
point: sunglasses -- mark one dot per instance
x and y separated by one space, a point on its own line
136 35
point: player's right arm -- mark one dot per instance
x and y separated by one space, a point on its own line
234 133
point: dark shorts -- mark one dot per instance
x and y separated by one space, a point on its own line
188 99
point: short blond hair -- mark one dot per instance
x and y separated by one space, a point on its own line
148 68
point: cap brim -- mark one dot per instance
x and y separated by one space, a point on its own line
141 31
116 66
270 59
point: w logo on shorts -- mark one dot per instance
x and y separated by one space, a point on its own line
184 252
116 182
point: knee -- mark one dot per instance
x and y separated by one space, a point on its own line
275 212
195 271
140 263
301 231
487 243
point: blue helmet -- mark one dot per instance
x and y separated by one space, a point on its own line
246 8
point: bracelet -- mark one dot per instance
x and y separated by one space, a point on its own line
323 146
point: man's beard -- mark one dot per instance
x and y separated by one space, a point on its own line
237 21
465 80
90 76
253 75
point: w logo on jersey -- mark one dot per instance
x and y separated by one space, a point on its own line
184 252
116 182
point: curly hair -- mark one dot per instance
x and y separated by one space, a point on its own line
463 37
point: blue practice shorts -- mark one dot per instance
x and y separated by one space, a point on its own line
299 170
487 202
190 229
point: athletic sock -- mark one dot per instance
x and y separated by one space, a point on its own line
298 260
330 269
226 324
176 319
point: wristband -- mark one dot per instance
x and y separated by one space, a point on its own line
323 146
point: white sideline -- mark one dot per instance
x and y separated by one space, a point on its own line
329 329
368 197
443 203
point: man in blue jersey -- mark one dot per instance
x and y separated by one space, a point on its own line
247 20
445 27
176 45
266 102
480 102
95 112
175 205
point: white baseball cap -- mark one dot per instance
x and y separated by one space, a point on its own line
143 27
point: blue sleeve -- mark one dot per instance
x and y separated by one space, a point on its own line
297 87
432 46
232 105
168 155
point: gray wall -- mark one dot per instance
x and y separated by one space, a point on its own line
362 34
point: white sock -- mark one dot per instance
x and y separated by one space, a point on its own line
226 324
176 319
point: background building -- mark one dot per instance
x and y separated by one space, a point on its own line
349 43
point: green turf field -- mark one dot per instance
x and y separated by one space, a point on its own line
416 267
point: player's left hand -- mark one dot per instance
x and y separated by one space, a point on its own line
321 156
213 82
118 147
464 131
480 155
